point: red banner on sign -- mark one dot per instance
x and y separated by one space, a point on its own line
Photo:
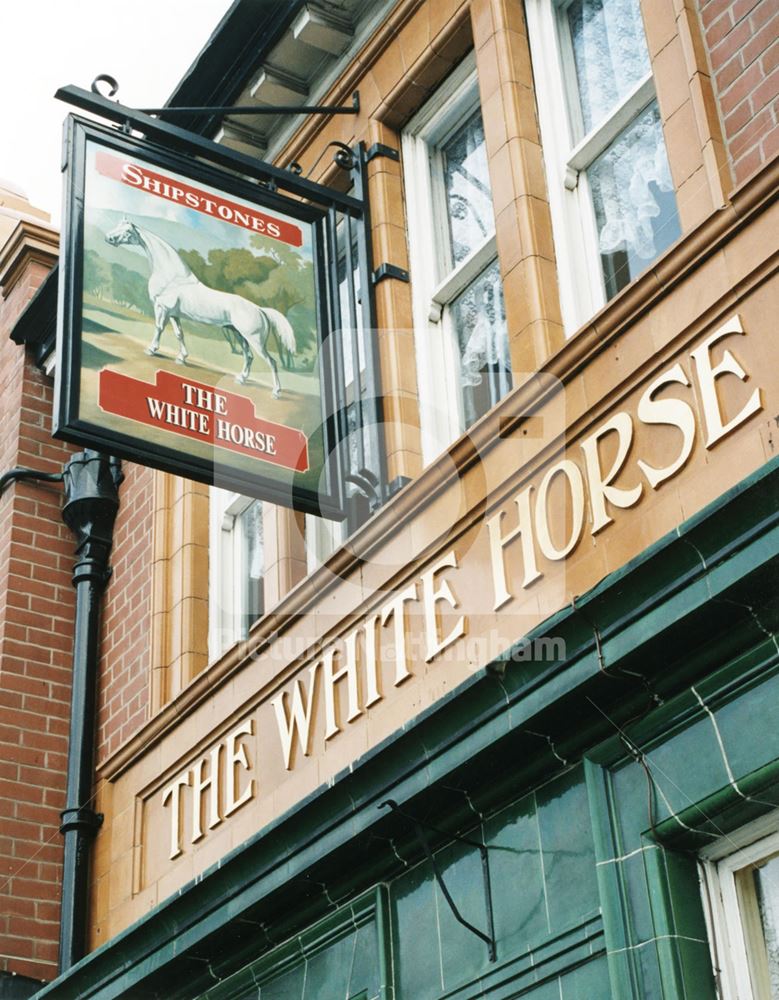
127 172
213 416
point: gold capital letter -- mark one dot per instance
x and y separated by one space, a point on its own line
715 429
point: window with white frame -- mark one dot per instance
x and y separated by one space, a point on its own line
236 597
610 190
463 365
323 535
741 891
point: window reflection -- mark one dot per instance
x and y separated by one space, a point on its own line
479 319
467 184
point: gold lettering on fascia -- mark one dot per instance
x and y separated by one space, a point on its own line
350 675
622 483
353 664
210 790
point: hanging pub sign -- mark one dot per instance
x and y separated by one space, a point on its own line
191 323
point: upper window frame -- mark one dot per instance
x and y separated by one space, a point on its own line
569 153
436 280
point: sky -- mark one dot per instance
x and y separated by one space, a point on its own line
146 45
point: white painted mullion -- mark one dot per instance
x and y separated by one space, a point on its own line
572 251
220 604
733 929
602 136
721 862
465 272
572 108
436 365
592 290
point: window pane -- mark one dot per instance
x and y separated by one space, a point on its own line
479 320
609 51
250 527
635 207
343 298
766 881
467 185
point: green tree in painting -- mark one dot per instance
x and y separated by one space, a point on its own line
97 275
232 270
278 277
290 289
130 289
116 282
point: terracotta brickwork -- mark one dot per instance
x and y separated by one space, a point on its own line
523 225
179 597
685 97
36 615
743 42
126 647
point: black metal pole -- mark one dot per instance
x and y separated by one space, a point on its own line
193 144
91 502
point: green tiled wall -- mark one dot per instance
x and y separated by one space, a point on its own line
544 889
594 878
684 785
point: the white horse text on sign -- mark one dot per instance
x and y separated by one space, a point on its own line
176 294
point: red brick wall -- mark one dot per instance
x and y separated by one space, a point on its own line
36 615
126 647
743 42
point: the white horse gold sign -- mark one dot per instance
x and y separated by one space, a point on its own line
192 323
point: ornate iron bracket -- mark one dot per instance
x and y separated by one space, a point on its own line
343 157
193 144
419 829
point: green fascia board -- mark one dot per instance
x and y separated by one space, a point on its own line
734 536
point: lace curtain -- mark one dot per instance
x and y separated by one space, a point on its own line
480 320
621 181
610 53
611 57
467 185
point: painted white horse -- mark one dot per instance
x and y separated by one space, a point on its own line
176 293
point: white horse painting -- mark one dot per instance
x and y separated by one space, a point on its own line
176 294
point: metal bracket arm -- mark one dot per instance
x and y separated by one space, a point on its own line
262 109
389 271
419 829
381 149
193 144
239 109
18 474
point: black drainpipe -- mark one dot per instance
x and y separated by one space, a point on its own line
91 502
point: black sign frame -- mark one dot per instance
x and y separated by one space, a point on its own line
70 425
